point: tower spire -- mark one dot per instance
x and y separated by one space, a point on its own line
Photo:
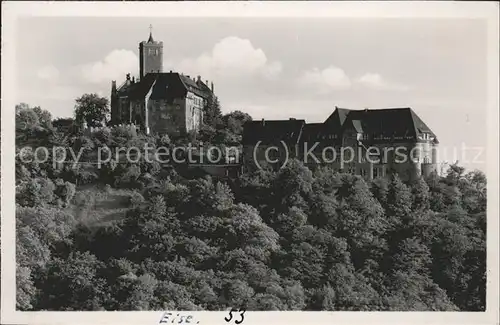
150 40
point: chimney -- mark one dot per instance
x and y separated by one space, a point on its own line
263 122
128 76
113 86
212 86
199 78
170 71
133 79
206 82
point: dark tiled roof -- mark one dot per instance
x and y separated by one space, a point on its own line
338 117
387 123
357 126
272 131
420 126
166 86
343 112
203 86
192 86
312 131
379 124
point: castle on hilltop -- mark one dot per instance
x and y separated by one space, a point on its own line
158 102
171 103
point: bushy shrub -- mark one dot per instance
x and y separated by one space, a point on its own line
136 199
65 191
85 199
35 192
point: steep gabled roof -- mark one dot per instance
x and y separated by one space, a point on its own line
387 123
357 126
193 87
141 88
166 86
272 131
379 124
338 117
420 126
203 86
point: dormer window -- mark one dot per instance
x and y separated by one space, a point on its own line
425 136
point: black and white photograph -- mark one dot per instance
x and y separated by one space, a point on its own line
185 163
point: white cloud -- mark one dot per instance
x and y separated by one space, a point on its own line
114 66
231 57
49 73
55 92
326 80
375 81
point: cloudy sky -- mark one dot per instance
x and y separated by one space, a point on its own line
275 68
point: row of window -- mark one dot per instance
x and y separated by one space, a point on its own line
196 100
328 136
153 51
365 136
377 172
426 136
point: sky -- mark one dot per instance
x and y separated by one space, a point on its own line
277 68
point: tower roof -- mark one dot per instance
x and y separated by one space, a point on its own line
151 40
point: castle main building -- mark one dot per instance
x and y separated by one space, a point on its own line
383 141
159 102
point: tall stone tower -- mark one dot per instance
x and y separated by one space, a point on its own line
150 56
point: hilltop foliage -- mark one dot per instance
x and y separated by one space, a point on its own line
295 239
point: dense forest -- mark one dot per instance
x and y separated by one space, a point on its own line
143 236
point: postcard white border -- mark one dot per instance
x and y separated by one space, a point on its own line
414 9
